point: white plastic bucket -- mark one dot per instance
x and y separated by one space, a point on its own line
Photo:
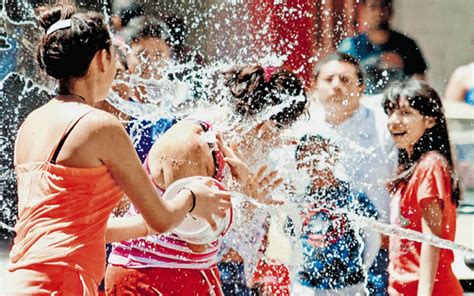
196 230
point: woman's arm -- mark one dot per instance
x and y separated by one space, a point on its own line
116 151
455 88
431 223
125 228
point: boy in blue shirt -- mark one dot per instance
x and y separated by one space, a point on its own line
332 247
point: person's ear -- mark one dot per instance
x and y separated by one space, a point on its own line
103 60
429 122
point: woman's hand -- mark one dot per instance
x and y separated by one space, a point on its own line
257 186
209 201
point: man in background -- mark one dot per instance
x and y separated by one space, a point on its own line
384 54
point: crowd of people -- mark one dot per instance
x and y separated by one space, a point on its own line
83 183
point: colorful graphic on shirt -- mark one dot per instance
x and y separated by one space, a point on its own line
322 228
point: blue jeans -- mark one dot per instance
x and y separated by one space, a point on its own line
378 275
233 279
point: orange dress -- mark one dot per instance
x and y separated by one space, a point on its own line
63 211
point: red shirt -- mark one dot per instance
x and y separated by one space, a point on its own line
430 180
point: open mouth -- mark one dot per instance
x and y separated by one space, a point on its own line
398 134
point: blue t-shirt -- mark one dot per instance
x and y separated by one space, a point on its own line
469 96
331 251
369 56
144 133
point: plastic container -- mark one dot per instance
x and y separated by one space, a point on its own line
193 229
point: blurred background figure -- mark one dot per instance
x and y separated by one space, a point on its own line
384 54
123 16
368 157
178 31
460 87
332 244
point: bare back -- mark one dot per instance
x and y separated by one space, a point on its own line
42 129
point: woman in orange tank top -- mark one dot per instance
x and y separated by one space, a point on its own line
74 162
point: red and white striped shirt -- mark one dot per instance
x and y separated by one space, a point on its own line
162 250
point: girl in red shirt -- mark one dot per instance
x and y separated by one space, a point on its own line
424 194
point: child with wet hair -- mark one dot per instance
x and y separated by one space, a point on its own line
265 101
332 246
268 100
169 264
425 192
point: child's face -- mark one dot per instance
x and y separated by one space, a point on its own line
318 159
150 57
407 125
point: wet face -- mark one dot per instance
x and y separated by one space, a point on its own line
150 56
268 130
318 159
338 83
376 14
407 125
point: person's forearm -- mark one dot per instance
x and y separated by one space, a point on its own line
168 214
124 228
429 258
175 211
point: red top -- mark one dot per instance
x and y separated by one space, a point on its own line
430 180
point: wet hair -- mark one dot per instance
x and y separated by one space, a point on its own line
255 88
147 27
129 12
177 31
67 53
423 98
311 139
340 57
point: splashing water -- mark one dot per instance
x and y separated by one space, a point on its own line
198 91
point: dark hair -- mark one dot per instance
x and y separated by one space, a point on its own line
67 53
177 31
340 57
385 3
129 12
423 98
309 139
147 27
255 88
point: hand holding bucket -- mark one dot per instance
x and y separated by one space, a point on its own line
193 229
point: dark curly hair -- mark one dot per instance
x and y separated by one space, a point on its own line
255 88
67 53
426 100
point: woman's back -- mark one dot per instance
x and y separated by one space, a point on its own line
42 129
64 199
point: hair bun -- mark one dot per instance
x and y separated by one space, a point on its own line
47 16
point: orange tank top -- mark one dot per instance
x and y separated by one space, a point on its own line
63 213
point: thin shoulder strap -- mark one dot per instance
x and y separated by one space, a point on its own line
62 139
